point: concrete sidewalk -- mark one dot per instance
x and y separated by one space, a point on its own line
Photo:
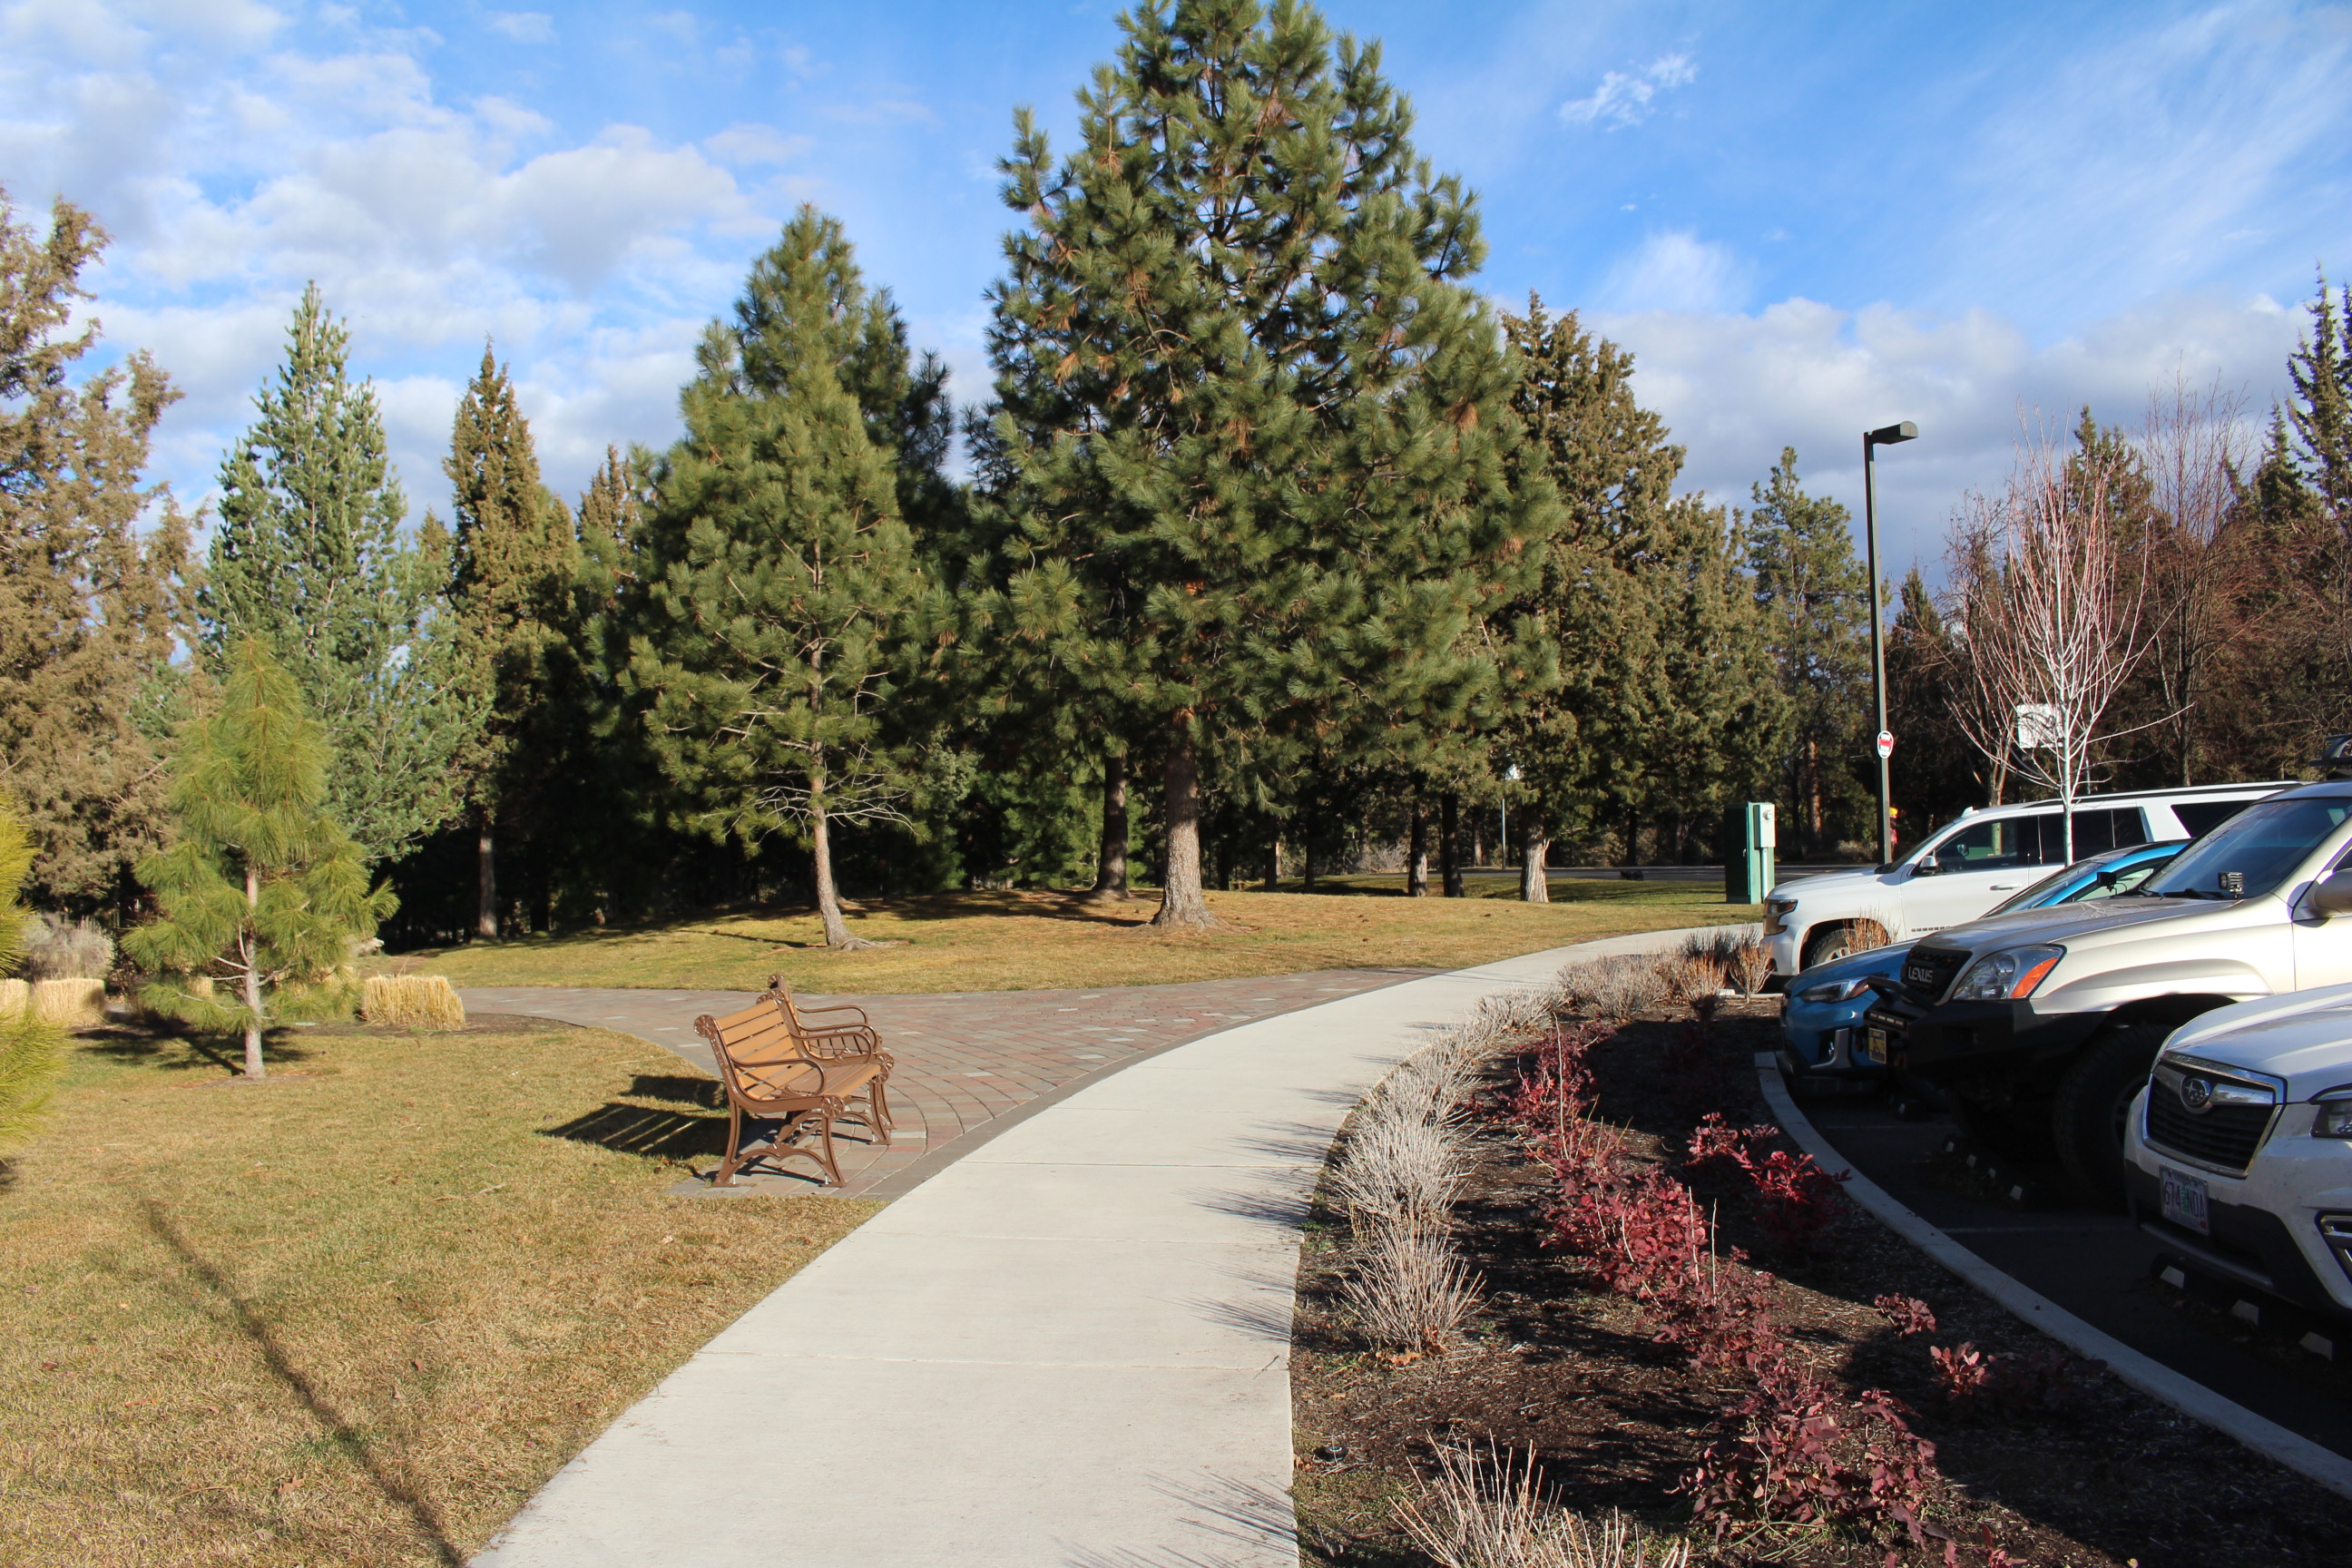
1071 1347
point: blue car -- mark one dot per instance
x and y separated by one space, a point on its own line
1821 1008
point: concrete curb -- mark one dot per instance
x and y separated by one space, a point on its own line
2144 1372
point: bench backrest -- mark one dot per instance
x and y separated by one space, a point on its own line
759 1056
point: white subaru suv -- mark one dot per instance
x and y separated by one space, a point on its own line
1965 868
2239 1151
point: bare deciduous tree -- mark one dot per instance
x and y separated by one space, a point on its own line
2054 601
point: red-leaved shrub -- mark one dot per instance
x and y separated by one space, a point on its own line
1908 1314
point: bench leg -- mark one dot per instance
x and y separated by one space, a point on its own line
878 1101
729 1166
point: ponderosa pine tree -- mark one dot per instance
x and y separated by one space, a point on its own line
516 568
310 557
1815 598
1583 643
262 896
778 573
1259 419
89 608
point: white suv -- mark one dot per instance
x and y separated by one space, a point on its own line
1968 867
2239 1151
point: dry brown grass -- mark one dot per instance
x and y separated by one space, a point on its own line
412 1001
1017 941
357 1313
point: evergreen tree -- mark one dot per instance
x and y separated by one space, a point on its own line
309 557
1814 595
2321 408
89 610
516 565
262 897
779 572
1584 645
32 1051
1259 418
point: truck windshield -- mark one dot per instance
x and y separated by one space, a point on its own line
2263 845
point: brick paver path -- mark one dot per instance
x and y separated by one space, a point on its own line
962 1061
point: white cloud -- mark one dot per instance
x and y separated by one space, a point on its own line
522 26
1625 99
1675 270
1736 388
746 144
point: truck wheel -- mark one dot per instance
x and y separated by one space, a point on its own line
1828 946
2087 1116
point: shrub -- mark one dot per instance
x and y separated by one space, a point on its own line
56 949
1410 1289
70 1003
1398 1172
412 1001
1794 1450
1796 1200
1908 1314
1618 989
1492 1514
2001 1387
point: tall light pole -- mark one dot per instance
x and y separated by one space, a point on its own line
1886 436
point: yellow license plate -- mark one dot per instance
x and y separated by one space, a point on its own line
1874 1046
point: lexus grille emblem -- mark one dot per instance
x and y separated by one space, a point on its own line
2196 1094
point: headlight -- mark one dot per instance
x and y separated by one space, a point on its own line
1842 991
2334 1118
2008 976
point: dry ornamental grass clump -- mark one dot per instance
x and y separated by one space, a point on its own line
59 948
412 1001
1492 1514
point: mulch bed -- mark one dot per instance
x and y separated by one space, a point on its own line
2104 1476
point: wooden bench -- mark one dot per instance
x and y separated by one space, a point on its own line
774 1067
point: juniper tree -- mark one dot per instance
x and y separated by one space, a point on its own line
516 569
1815 599
1258 418
310 557
779 572
89 608
262 896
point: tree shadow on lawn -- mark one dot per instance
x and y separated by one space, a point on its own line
170 1052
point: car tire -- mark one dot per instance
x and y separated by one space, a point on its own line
1828 946
2086 1118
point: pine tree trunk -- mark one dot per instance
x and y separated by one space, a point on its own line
1182 902
828 901
1449 844
254 1067
1306 863
486 879
1534 888
1416 863
1110 868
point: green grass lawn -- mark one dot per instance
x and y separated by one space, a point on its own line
1027 940
359 1313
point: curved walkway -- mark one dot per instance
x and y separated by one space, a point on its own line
1068 1347
967 1065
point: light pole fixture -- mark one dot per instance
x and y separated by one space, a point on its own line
1883 742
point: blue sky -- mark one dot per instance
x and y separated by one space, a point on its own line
1804 220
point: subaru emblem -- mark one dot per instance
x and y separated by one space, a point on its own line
2196 1094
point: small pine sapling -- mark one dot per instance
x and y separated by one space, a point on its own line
263 895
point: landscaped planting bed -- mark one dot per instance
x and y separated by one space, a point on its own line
1681 1320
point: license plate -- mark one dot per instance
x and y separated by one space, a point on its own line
2183 1199
1874 1046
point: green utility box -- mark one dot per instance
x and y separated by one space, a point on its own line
1749 839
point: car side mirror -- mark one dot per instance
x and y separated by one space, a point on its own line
1926 866
2334 895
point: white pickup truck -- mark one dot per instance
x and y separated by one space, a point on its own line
1965 868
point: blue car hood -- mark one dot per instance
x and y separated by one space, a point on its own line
1852 966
